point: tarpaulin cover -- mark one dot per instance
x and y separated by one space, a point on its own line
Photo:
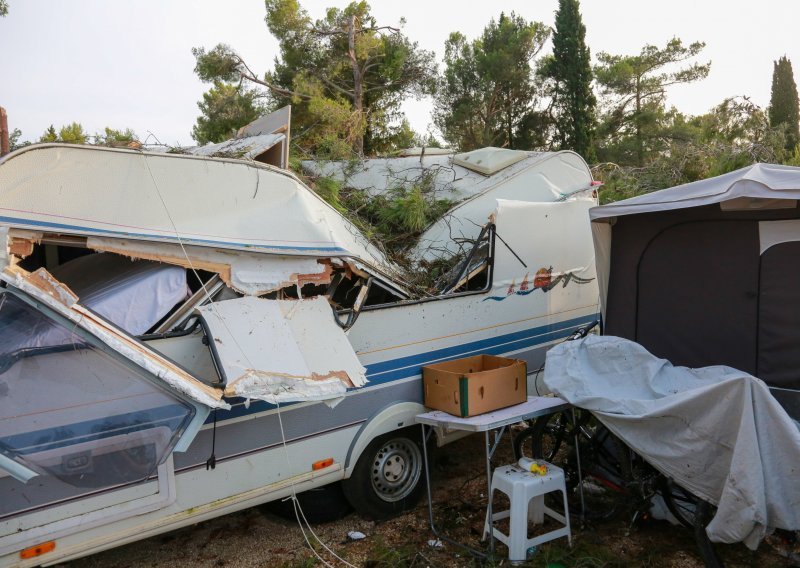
716 431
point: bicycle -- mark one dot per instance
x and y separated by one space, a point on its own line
605 477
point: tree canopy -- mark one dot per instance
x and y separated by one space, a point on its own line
784 107
634 91
487 94
225 108
569 71
345 73
69 133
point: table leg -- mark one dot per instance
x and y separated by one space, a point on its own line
427 478
436 533
489 453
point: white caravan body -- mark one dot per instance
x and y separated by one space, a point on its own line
106 432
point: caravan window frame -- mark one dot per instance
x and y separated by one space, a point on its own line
491 229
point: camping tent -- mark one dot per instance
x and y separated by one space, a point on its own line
708 272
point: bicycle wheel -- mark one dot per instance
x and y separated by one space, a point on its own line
703 515
552 438
695 514
546 439
681 503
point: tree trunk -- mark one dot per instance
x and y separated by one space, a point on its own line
638 124
358 86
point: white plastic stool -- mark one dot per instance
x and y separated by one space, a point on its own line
526 493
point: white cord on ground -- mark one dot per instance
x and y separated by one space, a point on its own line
298 509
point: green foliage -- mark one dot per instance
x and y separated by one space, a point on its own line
329 189
14 142
784 107
632 129
735 134
3 8
488 91
569 72
117 138
344 74
50 135
69 134
74 134
393 219
225 108
220 64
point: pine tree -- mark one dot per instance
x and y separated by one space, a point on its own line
571 72
784 107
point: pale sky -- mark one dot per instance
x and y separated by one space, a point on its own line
128 64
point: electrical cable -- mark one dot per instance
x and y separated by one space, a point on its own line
279 412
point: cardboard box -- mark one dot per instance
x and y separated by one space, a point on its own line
474 385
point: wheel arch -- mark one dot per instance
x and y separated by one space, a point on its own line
394 416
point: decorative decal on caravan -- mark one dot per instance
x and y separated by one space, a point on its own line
543 280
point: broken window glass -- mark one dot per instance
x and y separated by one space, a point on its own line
73 413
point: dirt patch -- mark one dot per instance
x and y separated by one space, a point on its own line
257 538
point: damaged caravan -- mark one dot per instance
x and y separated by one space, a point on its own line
187 336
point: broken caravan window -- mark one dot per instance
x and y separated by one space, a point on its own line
461 274
176 335
75 412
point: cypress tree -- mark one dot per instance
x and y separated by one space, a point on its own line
571 71
784 107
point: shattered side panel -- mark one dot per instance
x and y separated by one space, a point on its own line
282 350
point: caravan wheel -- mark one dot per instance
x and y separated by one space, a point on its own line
388 477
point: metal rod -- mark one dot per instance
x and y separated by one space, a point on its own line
489 514
580 474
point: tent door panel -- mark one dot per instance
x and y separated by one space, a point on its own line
697 299
779 316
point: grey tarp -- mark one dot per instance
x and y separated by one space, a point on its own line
716 431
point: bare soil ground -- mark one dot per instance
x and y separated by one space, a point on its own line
257 538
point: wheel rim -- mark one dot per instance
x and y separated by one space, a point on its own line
396 469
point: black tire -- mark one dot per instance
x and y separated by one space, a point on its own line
389 476
320 505
681 503
705 512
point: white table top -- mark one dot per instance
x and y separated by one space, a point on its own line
533 407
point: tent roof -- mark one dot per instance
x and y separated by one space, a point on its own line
752 185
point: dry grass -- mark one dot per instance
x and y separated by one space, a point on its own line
256 538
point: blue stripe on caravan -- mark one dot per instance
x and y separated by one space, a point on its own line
51 225
171 415
404 367
394 369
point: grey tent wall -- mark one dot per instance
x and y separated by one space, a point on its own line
686 284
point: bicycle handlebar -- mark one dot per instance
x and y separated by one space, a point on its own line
582 332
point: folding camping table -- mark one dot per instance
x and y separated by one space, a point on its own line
496 421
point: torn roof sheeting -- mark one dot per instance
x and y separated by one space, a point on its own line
212 202
512 174
250 147
282 350
452 179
